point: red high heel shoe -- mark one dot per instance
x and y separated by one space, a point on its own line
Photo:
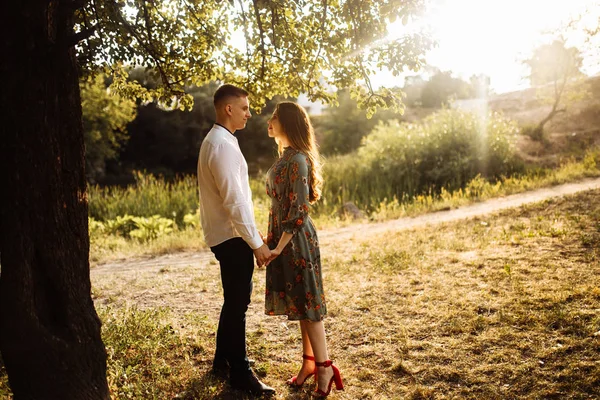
336 378
294 380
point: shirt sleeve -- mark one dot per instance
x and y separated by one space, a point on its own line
298 178
226 166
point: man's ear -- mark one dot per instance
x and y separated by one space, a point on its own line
229 109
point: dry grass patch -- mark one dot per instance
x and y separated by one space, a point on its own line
502 307
506 306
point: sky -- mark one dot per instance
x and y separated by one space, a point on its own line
494 36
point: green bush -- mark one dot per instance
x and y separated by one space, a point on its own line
121 225
149 196
150 228
192 220
446 151
535 132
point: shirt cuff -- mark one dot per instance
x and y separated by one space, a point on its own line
255 242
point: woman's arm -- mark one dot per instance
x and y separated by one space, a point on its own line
298 184
297 194
283 241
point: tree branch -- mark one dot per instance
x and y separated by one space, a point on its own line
82 35
147 47
262 39
323 20
246 37
148 25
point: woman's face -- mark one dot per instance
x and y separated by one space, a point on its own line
275 131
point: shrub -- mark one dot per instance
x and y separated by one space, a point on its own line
446 151
192 220
535 132
121 225
149 196
150 228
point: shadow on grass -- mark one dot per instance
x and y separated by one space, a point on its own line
210 387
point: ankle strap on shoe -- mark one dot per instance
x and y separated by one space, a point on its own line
306 357
324 364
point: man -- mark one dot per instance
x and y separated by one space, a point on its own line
227 217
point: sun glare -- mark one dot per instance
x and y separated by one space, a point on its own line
492 37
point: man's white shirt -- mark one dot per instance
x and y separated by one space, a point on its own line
226 209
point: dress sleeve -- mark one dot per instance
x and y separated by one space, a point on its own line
298 192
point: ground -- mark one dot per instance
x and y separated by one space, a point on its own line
479 302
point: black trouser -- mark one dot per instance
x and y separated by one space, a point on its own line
237 265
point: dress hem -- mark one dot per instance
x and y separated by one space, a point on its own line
290 318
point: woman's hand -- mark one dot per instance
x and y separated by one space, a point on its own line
275 253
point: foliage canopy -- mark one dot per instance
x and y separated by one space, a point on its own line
105 119
270 48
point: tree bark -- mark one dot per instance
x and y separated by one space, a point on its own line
551 115
49 330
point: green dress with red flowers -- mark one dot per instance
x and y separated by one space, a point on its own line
294 286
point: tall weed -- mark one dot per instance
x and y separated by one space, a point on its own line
149 196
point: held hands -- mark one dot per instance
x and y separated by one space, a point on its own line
274 254
264 256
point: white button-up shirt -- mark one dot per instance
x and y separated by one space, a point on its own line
226 209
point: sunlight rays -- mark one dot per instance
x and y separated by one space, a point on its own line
492 37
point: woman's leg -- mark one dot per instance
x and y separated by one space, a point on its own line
306 346
316 334
308 366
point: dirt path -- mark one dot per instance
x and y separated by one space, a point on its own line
332 236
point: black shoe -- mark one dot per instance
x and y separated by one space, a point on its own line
251 384
221 368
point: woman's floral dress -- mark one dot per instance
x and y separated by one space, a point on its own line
294 283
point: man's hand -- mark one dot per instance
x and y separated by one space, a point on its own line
263 255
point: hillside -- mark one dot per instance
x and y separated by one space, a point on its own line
568 133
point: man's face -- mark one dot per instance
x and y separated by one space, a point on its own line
239 110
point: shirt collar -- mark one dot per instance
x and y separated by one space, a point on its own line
224 132
223 126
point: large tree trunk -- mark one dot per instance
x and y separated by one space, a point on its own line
49 330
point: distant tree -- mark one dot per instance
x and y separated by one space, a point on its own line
555 70
166 142
49 329
442 87
413 89
341 128
105 119
586 26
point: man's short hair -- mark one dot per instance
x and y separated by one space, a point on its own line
226 91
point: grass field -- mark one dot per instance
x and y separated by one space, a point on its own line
107 247
502 307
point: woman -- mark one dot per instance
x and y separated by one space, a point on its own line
294 285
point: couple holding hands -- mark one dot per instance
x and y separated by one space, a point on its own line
290 251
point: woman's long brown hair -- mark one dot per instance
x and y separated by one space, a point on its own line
296 125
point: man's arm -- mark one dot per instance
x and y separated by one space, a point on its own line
225 164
